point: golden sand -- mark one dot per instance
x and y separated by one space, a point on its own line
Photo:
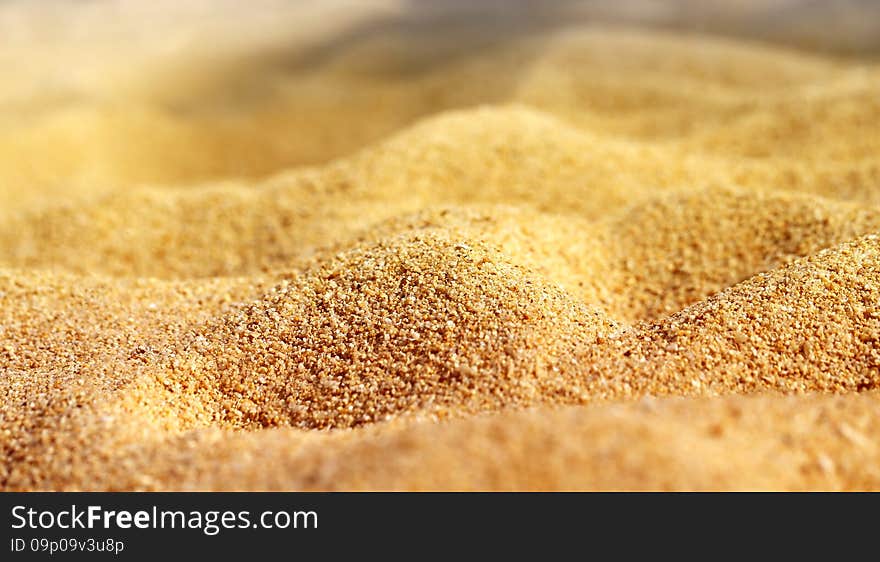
593 258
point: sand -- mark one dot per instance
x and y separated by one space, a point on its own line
593 257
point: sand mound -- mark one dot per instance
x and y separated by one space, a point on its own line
811 326
703 241
424 326
576 222
412 324
515 155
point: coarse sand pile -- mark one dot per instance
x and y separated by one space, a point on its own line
588 259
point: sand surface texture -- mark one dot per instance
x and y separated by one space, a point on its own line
590 257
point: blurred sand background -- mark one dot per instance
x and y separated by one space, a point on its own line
109 93
440 245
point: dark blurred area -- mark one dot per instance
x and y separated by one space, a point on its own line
842 27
